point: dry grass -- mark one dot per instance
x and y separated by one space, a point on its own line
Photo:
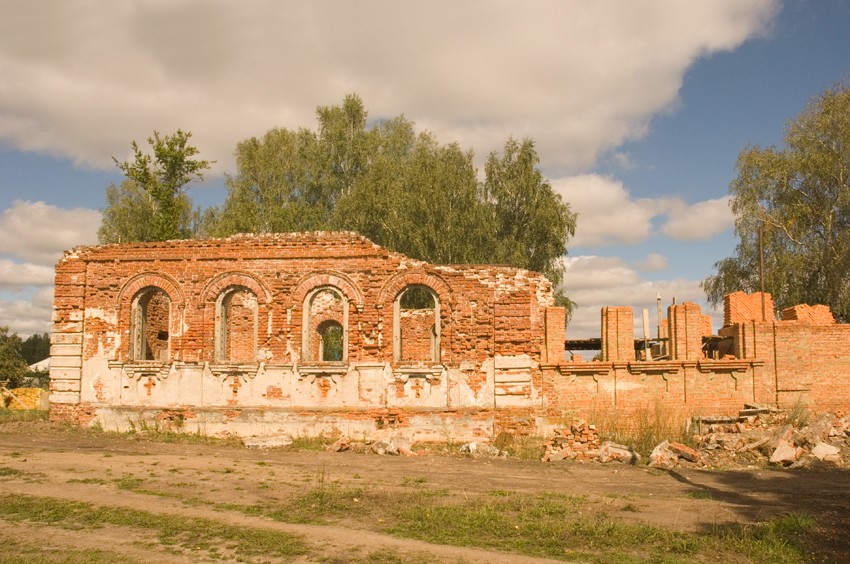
643 428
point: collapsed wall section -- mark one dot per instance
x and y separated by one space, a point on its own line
804 357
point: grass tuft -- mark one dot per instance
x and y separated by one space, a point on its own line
643 429
14 415
174 530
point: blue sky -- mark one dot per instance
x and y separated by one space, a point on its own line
638 109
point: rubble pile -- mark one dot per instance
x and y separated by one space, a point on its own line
762 435
758 436
578 442
476 448
668 455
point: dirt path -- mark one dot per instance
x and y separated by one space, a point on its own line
163 478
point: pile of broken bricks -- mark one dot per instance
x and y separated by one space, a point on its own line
766 435
759 435
581 442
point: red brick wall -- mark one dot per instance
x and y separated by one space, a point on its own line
816 315
416 330
686 326
618 333
740 307
240 313
484 310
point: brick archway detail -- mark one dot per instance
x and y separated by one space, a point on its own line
162 281
227 279
317 279
393 287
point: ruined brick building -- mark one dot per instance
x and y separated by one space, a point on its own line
303 333
310 333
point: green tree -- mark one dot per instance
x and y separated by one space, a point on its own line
403 190
35 348
151 204
13 367
799 197
292 180
419 198
532 222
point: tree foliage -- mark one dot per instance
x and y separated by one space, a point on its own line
799 196
151 203
403 190
35 348
13 367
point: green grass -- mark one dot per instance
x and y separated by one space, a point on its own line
523 447
319 442
12 415
172 530
17 551
644 428
547 525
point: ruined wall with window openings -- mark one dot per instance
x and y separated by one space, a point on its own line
313 333
302 333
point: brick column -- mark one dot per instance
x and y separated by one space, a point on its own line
553 352
686 328
66 350
618 333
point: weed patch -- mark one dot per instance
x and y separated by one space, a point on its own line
13 415
174 530
643 429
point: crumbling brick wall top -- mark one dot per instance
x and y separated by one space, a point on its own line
320 244
740 307
816 314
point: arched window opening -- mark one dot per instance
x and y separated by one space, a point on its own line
236 328
151 319
325 324
417 325
330 341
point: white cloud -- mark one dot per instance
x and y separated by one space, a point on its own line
606 212
594 282
80 80
700 221
28 316
16 275
37 232
653 262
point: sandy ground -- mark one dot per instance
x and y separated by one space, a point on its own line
62 463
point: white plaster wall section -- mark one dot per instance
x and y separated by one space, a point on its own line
371 383
107 317
100 380
190 388
513 385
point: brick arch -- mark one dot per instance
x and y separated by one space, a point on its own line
318 279
227 279
398 282
162 281
388 300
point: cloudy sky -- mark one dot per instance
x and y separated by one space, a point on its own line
638 109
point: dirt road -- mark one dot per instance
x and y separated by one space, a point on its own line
204 481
